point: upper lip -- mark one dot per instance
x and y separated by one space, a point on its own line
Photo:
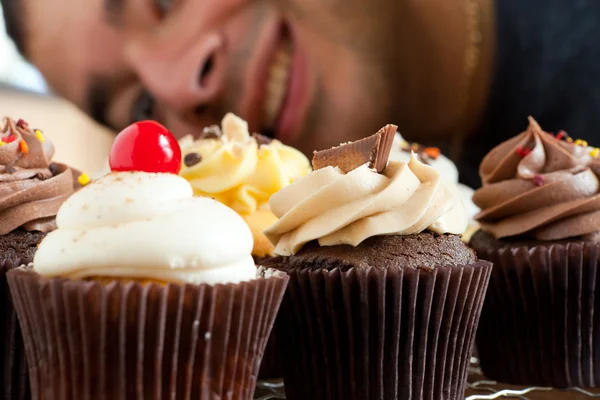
257 78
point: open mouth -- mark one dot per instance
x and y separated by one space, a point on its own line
277 85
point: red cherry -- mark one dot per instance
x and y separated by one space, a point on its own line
145 146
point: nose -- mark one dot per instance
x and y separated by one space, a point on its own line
185 75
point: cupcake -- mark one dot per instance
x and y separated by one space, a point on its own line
384 297
145 291
432 156
32 188
540 225
242 171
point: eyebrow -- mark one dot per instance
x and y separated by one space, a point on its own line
114 11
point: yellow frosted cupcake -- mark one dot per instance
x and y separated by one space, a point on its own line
242 171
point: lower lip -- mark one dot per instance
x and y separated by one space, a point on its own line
288 125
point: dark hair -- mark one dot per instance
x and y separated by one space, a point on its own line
12 10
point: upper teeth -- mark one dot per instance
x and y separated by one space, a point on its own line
279 74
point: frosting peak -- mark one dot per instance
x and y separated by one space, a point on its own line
32 188
336 208
540 186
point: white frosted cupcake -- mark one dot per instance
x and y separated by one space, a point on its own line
146 290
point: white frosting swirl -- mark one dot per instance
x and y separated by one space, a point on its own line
336 208
147 226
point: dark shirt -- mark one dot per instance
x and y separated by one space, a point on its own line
547 66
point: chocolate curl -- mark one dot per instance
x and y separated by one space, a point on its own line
374 150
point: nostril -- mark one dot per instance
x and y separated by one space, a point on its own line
206 70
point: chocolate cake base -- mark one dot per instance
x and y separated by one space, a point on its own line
16 248
539 325
393 318
20 245
381 252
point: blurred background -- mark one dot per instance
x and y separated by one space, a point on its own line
24 94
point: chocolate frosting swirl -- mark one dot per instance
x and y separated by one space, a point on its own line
538 186
32 188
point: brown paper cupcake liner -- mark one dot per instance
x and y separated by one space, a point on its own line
369 334
539 325
14 380
271 366
126 340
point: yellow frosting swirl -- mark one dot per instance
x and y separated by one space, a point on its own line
235 169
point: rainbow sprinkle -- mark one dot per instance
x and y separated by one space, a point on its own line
23 146
595 152
580 142
84 179
538 180
39 135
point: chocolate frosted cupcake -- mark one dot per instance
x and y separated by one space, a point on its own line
32 188
384 298
540 220
145 291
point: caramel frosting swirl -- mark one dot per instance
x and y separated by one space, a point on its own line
32 188
538 186
336 208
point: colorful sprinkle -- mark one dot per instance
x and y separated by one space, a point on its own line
3 143
561 135
39 135
9 139
538 180
23 146
22 124
84 179
595 152
580 142
523 151
569 139
432 152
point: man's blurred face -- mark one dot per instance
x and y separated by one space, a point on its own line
313 73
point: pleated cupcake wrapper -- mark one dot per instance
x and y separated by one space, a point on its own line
369 334
126 340
271 366
539 325
14 380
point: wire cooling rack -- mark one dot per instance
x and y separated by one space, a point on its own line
477 389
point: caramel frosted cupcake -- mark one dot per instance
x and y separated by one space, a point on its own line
32 188
384 298
242 171
145 291
540 223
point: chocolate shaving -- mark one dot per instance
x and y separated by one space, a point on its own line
262 139
211 132
192 159
374 150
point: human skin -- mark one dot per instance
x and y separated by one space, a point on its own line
355 64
